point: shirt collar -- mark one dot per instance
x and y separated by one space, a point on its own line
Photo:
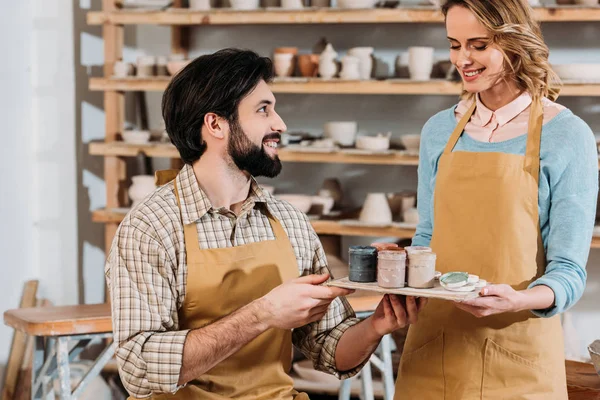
504 114
195 203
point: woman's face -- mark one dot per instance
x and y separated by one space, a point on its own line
480 63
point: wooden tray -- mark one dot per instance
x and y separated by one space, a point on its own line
437 292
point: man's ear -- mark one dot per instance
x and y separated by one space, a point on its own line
216 126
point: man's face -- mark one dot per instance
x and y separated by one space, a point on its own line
255 136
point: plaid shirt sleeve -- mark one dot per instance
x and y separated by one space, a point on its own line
139 274
318 341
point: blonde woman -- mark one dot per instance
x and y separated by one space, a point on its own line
508 181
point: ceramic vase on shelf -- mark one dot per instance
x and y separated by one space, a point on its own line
376 209
365 55
284 64
142 186
350 68
327 65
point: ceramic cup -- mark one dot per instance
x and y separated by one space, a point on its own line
122 69
365 55
292 4
200 5
391 268
362 264
308 64
376 209
342 132
373 143
420 63
350 68
244 4
421 269
284 64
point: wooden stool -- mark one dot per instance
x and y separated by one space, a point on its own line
52 329
365 305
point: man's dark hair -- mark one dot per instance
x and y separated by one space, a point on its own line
211 83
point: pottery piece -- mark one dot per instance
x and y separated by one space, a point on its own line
421 270
122 69
320 3
401 66
589 3
362 264
327 65
174 67
244 4
284 64
391 269
320 46
594 350
324 204
200 5
300 201
365 54
342 132
400 202
308 64
142 186
135 136
332 187
578 72
420 62
376 209
356 4
373 143
146 66
350 68
411 142
292 4
411 216
161 66
286 50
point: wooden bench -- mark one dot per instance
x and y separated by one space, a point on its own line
60 334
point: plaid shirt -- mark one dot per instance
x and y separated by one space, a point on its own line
146 272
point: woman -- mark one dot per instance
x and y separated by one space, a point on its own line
508 181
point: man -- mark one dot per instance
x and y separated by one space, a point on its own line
204 273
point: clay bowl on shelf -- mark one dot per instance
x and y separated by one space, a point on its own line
356 4
577 72
411 142
135 136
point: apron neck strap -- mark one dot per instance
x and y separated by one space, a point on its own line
459 129
534 138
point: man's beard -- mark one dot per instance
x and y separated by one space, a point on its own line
249 157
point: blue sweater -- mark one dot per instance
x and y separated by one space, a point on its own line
568 191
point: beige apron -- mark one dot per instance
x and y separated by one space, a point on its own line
486 222
220 281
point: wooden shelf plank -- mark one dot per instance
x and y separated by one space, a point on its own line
320 86
313 16
166 150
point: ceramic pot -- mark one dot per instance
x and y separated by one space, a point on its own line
411 216
376 209
323 203
244 4
284 64
142 186
292 4
350 68
200 5
327 65
400 202
332 187
373 143
308 64
365 54
420 63
342 132
122 69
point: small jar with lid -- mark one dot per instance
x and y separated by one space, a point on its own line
363 264
391 269
421 269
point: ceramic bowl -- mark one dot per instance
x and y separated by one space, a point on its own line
244 4
300 201
135 137
175 66
305 370
342 132
324 201
594 350
411 142
356 3
578 72
374 143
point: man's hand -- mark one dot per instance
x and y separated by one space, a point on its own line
299 302
395 312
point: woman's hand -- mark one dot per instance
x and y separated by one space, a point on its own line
395 312
494 299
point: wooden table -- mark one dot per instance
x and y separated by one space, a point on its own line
54 329
583 383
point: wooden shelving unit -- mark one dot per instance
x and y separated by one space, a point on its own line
334 86
311 16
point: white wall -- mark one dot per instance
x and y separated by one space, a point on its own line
38 238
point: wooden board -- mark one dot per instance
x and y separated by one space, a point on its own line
583 383
19 344
64 320
437 292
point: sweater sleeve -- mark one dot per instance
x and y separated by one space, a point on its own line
574 191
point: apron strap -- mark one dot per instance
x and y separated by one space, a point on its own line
165 176
459 129
534 138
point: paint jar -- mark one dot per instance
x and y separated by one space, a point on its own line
363 264
391 268
421 269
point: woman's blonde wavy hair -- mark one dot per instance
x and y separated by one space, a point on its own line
519 37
